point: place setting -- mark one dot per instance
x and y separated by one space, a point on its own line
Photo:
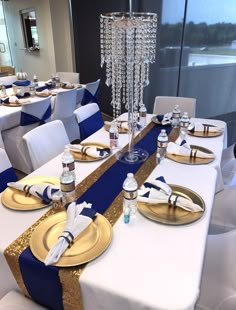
184 153
71 237
89 151
122 126
198 129
31 193
162 119
169 204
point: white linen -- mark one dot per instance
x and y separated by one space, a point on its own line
176 149
75 224
92 151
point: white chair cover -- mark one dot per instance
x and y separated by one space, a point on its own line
14 300
12 138
218 285
45 142
79 96
165 104
64 106
71 77
8 80
90 92
7 173
89 118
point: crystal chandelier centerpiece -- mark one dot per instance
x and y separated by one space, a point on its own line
128 45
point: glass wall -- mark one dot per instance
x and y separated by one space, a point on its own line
5 55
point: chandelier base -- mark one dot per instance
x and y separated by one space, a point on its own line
134 157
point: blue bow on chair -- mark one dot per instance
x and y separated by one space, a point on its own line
90 125
6 176
88 97
28 119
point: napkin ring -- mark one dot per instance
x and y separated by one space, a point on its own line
68 236
193 154
26 189
174 203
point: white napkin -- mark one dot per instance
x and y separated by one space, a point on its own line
92 151
165 119
151 194
45 192
182 142
193 127
176 149
78 218
120 124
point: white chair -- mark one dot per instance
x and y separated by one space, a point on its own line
89 118
14 300
228 165
64 106
71 77
218 284
8 80
46 142
91 92
7 173
32 115
165 104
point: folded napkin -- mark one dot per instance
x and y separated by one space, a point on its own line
176 149
67 85
22 83
153 194
45 192
14 99
164 119
78 217
193 127
92 151
182 142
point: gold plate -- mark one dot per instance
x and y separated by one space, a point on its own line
17 200
43 94
205 134
164 214
192 161
12 104
120 130
84 157
92 242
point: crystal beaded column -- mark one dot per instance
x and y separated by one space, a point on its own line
128 45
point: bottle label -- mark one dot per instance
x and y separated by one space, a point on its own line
184 124
71 166
162 144
130 195
142 114
68 187
176 115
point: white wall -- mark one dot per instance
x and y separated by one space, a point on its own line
49 59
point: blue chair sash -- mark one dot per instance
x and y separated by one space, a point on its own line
6 176
91 125
88 97
28 119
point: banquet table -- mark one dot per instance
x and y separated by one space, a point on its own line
148 265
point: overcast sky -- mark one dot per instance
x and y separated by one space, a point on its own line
209 11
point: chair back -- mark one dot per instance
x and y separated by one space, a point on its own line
79 96
7 173
71 77
35 114
46 142
165 104
91 92
89 118
8 80
64 106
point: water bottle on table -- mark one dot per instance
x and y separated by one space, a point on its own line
113 135
184 122
67 186
69 161
176 117
143 116
130 192
162 142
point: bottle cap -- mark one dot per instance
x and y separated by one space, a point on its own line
130 175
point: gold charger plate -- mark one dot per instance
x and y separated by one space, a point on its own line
12 104
84 157
120 130
43 94
17 200
205 134
92 242
192 161
164 214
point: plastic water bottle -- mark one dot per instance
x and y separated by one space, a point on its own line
113 135
143 116
35 80
162 142
130 192
69 161
176 117
67 186
184 122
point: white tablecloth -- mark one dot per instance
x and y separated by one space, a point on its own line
147 265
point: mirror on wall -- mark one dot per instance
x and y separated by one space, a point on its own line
30 31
